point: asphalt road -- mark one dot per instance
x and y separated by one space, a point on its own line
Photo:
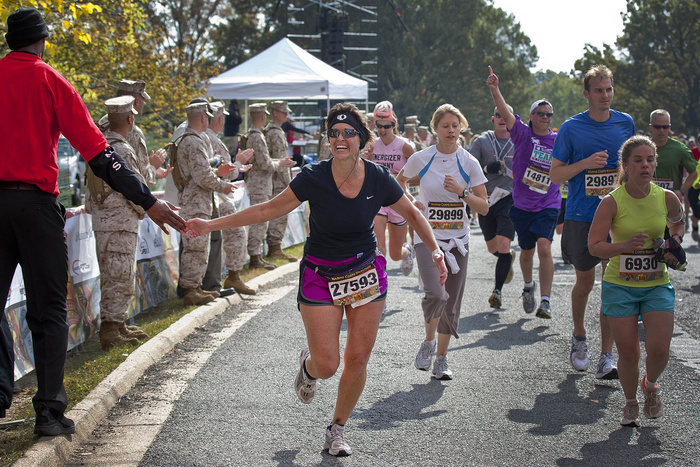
225 395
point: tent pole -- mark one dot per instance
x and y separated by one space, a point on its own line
245 116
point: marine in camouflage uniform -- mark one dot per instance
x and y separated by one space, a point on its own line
236 239
279 150
258 181
196 200
115 221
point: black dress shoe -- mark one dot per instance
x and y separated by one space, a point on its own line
52 423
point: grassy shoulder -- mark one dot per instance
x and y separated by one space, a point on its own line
86 368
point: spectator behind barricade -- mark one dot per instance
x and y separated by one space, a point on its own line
425 136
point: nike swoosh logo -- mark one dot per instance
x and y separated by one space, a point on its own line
370 197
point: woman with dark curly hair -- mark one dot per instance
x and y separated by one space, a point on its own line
341 272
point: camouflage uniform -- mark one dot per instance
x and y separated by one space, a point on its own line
116 226
138 142
278 147
234 239
258 181
324 149
195 200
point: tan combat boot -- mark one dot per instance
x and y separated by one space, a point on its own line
234 280
256 262
196 297
276 252
110 337
132 332
213 293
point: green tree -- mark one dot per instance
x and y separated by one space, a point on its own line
445 57
564 92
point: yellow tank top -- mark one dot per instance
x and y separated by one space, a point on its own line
638 268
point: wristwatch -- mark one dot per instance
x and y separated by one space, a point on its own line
465 194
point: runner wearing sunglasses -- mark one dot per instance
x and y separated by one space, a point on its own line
392 151
341 272
536 200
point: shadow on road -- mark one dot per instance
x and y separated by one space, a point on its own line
402 406
620 449
552 412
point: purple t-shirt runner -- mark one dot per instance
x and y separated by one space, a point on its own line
532 189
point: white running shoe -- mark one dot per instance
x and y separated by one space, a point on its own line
305 387
441 369
425 355
579 354
606 367
335 441
407 262
630 415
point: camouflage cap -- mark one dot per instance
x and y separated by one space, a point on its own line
121 105
258 108
281 106
218 108
199 107
413 119
136 87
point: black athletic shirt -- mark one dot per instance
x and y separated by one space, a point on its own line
342 227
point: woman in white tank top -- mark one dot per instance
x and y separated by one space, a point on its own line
391 151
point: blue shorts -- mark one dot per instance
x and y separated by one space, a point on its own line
621 300
531 226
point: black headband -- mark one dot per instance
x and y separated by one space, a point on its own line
346 117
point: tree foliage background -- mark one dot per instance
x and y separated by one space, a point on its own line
443 57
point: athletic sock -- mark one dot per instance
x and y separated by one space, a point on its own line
544 297
306 372
502 268
529 285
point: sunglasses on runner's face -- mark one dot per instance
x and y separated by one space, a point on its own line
659 127
385 127
497 115
347 133
544 114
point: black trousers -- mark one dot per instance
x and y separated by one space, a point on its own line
32 235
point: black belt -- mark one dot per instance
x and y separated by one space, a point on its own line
17 186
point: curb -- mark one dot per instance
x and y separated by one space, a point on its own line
88 413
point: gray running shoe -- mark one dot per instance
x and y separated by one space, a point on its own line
606 367
579 354
425 355
529 298
407 262
544 311
441 369
305 387
335 441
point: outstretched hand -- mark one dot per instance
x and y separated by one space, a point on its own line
162 213
196 227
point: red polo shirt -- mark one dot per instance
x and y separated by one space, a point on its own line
36 105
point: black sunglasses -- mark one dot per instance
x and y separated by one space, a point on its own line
347 133
385 127
543 114
659 127
497 115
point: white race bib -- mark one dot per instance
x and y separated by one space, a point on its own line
640 266
356 288
537 179
600 182
446 215
666 183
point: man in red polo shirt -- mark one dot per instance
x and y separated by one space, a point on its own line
45 105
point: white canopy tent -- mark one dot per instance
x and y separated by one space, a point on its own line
286 71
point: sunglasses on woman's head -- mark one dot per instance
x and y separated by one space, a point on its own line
347 133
